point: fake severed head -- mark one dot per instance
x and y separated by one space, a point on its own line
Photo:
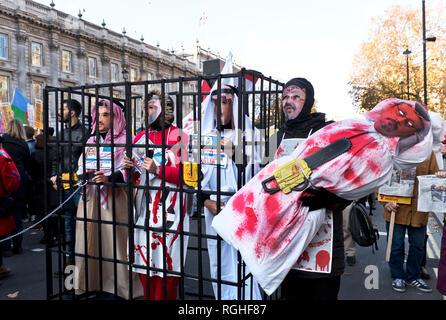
406 119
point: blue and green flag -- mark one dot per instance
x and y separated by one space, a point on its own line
19 106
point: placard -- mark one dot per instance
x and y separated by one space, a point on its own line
209 153
431 194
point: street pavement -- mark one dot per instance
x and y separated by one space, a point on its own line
28 277
355 284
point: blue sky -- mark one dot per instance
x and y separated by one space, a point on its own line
283 38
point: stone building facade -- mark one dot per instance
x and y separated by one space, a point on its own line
41 46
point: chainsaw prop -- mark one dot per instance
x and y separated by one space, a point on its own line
267 220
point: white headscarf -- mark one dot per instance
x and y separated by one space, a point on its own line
209 124
438 132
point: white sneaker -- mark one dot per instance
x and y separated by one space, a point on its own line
420 285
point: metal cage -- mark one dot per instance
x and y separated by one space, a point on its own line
102 272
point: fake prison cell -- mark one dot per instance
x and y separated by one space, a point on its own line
141 228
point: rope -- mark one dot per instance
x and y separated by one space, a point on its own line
80 185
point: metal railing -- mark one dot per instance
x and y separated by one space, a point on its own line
94 265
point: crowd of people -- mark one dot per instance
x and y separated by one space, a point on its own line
96 220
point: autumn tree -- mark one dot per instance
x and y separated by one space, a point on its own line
379 68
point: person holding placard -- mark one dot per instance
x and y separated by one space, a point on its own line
149 204
98 237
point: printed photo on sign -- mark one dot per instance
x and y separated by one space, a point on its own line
38 114
139 155
208 152
6 112
431 194
401 183
105 162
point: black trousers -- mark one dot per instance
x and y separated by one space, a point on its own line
423 262
317 289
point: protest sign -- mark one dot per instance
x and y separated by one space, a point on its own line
401 184
38 114
208 150
6 114
431 194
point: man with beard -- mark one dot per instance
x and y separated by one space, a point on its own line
102 216
65 162
300 123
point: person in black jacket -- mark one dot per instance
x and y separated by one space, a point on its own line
300 123
15 145
65 165
37 199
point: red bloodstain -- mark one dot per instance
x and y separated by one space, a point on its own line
322 260
360 126
155 206
249 225
312 150
279 151
304 257
349 174
374 167
266 172
272 208
157 237
258 250
271 204
139 248
334 136
238 203
250 198
169 261
373 145
336 163
358 181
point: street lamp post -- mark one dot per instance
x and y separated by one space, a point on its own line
407 52
432 39
125 74
402 89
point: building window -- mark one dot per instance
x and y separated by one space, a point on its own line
133 74
114 72
92 96
36 53
37 90
67 61
116 94
92 64
4 89
3 46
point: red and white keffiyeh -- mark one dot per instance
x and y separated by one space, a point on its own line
119 137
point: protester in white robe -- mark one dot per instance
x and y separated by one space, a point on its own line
228 183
